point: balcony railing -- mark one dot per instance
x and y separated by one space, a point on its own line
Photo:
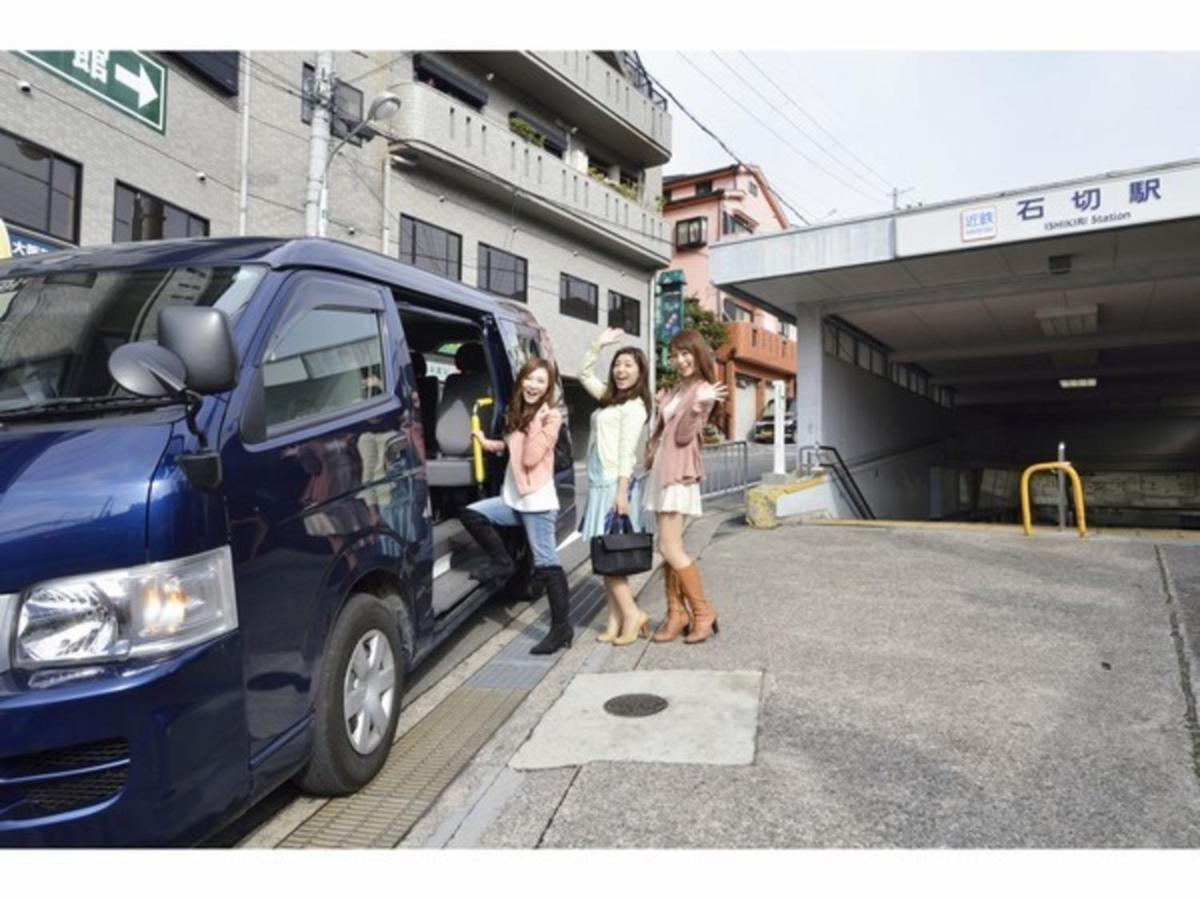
484 146
761 346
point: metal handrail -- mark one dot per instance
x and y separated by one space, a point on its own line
1069 470
724 479
842 472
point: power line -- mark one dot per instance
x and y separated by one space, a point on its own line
791 122
805 113
657 83
786 142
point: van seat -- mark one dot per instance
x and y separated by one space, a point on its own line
452 466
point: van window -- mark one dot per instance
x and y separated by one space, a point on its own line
326 360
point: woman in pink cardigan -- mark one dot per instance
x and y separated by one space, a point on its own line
673 485
528 497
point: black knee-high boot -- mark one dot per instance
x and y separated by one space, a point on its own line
558 594
500 564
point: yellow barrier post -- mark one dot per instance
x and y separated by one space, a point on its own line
1066 467
476 447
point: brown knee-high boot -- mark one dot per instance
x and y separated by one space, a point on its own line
678 619
704 617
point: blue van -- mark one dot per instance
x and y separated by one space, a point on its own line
230 471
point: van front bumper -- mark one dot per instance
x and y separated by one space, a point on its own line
152 753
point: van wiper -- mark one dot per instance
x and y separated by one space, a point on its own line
73 405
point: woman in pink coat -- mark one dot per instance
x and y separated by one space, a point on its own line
528 497
673 486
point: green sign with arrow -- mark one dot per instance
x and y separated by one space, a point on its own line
126 79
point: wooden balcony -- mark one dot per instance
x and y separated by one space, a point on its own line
759 347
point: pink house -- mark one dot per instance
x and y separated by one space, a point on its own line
726 205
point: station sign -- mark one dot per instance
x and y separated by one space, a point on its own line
1114 201
126 79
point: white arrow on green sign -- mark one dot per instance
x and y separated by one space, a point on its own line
126 79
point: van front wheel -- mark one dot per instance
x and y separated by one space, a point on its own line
358 699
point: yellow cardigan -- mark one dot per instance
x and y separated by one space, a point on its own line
618 427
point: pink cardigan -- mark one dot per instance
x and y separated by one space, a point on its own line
682 435
531 453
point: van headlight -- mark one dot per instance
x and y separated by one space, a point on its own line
126 613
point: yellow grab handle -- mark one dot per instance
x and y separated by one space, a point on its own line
476 447
1066 467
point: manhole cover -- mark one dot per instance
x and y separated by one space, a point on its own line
633 706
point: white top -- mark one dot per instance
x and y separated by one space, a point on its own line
616 429
543 499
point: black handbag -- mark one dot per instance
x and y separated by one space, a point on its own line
622 552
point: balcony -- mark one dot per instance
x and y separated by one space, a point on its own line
760 347
473 149
587 92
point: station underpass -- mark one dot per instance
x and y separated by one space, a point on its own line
940 376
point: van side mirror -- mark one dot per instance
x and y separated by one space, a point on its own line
201 338
148 370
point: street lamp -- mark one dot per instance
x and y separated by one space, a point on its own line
384 106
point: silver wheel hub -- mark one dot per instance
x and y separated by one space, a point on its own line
368 692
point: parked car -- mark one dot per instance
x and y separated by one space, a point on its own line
228 489
764 426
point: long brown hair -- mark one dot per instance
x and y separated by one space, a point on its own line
691 340
613 396
519 413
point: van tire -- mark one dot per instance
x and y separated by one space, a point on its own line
336 767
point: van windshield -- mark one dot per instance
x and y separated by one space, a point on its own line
58 329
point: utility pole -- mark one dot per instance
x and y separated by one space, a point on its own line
318 142
896 192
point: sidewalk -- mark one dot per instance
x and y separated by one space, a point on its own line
914 689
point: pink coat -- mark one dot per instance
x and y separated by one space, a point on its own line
531 452
682 436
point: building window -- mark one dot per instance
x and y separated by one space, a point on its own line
703 188
731 224
666 196
549 137
503 273
753 189
578 298
732 312
139 216
38 189
441 77
347 105
624 312
431 248
691 233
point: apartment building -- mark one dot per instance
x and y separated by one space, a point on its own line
722 205
536 175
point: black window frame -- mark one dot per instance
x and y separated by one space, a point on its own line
484 267
696 222
621 319
345 97
192 217
76 200
412 259
437 75
704 188
565 298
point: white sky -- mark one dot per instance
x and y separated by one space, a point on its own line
947 124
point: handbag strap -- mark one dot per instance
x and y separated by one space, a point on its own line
622 523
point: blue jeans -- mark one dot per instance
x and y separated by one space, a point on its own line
539 527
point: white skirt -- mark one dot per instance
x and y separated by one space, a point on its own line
680 498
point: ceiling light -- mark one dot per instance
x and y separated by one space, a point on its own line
1068 321
1071 383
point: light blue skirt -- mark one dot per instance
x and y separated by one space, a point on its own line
599 504
599 501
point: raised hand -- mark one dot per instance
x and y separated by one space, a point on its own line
611 336
716 392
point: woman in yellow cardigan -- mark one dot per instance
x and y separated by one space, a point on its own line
612 453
